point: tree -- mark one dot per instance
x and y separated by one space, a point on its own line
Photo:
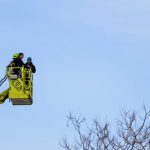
133 133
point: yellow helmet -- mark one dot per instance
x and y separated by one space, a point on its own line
15 55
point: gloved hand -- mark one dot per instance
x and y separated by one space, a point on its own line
28 66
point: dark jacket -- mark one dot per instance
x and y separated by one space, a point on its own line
16 63
19 62
12 63
30 65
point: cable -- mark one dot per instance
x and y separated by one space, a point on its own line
3 80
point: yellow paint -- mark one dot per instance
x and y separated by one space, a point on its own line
20 85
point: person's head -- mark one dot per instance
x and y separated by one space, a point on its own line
21 55
15 56
29 60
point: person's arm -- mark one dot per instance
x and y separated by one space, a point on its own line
33 68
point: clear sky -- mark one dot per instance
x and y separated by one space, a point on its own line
92 58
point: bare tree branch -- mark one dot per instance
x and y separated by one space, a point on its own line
133 133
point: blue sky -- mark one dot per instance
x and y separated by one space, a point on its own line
92 58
